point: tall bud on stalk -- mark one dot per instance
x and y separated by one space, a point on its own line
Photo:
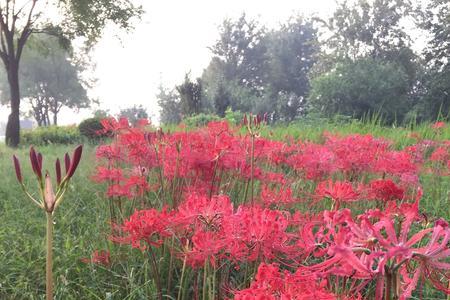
17 168
49 195
50 199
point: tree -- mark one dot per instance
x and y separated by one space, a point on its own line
240 53
435 19
368 28
169 102
134 114
221 100
20 19
292 52
255 70
50 80
362 87
190 96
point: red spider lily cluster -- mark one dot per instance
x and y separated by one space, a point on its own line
265 219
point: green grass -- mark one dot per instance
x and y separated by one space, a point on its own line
81 222
80 227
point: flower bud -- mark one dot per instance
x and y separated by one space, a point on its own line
17 167
35 163
67 162
49 195
75 160
58 171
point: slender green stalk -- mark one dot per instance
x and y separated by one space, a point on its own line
49 260
251 168
183 270
448 296
169 280
205 272
155 273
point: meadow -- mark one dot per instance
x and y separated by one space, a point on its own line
258 212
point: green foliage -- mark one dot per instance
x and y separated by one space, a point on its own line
101 113
51 135
86 18
190 96
77 18
169 102
91 129
435 101
240 53
234 117
360 88
260 71
221 100
200 120
50 80
368 28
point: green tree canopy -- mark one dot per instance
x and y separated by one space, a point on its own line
169 102
77 18
362 87
50 79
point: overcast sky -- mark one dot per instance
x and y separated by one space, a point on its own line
170 40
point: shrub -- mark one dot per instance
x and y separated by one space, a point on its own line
234 117
51 135
200 120
91 127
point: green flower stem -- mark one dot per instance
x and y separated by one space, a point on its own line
49 260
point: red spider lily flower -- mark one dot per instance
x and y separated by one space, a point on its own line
385 190
138 185
397 163
108 174
314 161
207 211
440 154
271 283
118 190
254 233
337 191
206 248
432 260
144 228
143 123
102 257
112 125
355 153
275 197
438 125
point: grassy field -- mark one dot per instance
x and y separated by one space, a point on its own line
81 222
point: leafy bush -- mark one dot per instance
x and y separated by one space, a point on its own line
91 127
234 117
51 135
200 120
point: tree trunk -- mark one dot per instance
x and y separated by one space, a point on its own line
12 137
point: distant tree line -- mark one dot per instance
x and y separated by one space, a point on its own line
359 62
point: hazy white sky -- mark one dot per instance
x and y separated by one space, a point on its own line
171 39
